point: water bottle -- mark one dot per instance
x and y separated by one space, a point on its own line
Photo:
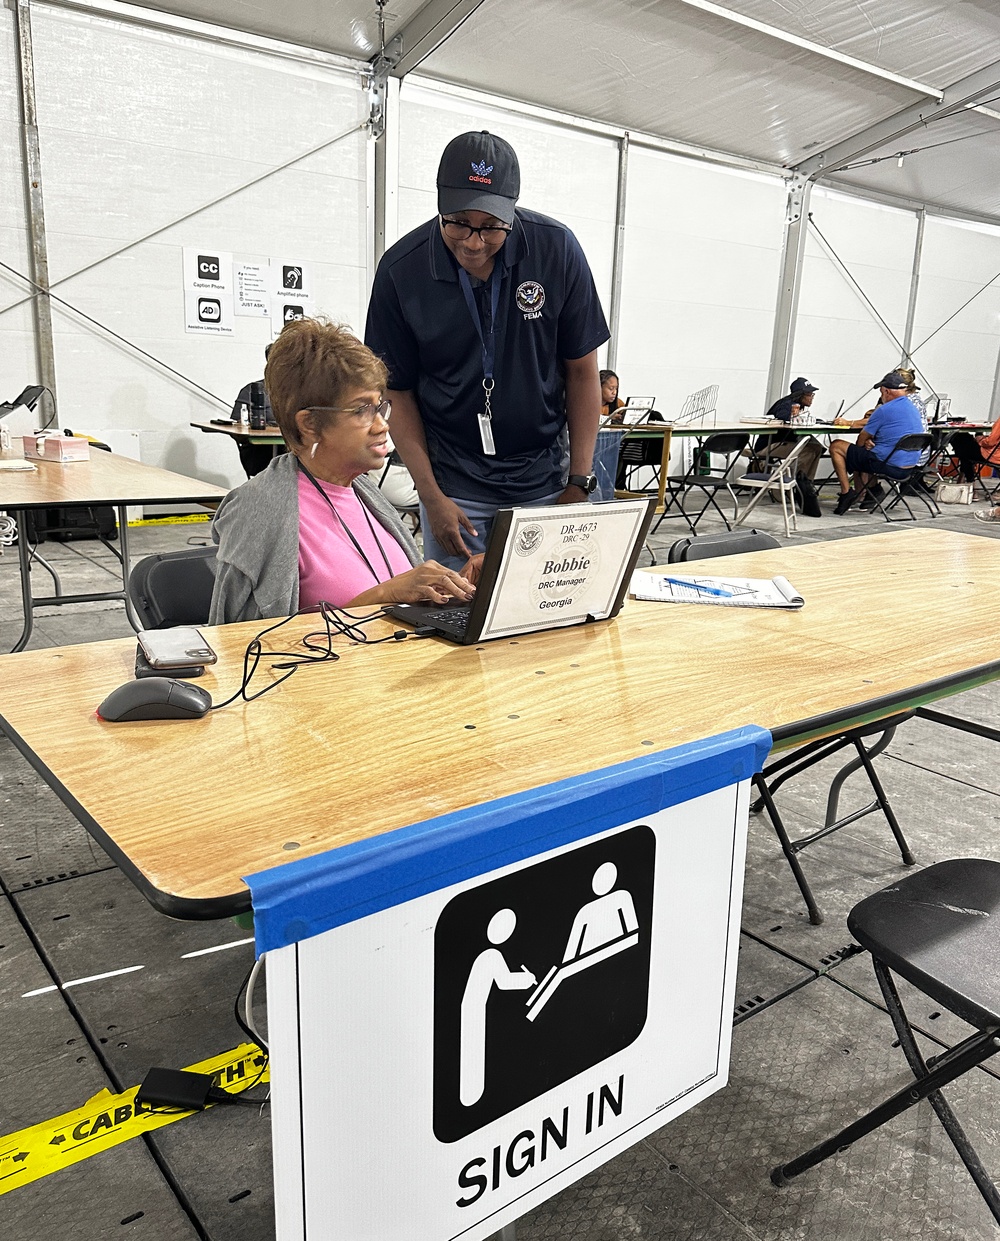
258 416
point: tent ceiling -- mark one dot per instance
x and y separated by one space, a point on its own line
958 167
670 68
348 27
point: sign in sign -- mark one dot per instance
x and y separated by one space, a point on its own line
446 1063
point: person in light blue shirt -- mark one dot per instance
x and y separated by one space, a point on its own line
895 417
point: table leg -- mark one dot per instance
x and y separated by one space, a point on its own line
953 721
133 620
35 555
664 466
24 563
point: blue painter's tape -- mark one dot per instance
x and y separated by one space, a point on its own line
304 898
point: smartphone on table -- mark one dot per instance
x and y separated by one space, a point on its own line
180 647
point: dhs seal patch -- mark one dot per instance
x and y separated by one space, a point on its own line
530 298
529 539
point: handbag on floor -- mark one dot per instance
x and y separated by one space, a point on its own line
953 493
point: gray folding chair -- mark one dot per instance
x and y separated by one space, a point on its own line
778 478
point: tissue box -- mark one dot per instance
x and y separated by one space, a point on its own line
56 448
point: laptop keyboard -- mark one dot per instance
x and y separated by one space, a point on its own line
458 617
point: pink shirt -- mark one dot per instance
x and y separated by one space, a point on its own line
329 565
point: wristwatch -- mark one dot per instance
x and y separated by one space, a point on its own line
586 482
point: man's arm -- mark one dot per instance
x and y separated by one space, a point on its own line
446 519
583 414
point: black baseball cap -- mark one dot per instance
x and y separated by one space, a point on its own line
479 172
893 380
802 385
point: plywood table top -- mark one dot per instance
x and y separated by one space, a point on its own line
105 478
240 430
396 734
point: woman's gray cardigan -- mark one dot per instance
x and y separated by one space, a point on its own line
257 530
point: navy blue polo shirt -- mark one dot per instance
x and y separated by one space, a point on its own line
549 311
781 409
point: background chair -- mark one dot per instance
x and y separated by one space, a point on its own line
396 484
912 484
780 478
731 543
802 758
173 588
728 444
940 931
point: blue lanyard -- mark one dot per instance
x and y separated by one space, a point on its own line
486 339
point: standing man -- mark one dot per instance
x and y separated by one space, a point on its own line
895 417
489 322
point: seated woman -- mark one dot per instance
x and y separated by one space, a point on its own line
313 526
610 404
975 451
608 442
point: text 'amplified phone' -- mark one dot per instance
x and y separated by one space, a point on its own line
180 647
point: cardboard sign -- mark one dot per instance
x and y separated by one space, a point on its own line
447 1063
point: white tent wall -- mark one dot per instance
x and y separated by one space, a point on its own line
18 363
565 173
699 283
960 359
839 343
140 127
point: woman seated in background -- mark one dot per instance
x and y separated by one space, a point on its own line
610 404
608 442
975 451
313 527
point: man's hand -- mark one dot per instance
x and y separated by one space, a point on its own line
473 569
429 582
447 521
573 495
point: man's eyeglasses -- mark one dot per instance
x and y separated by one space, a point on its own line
365 414
492 234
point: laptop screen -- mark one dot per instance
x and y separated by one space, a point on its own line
562 564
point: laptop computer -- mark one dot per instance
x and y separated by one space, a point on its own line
545 568
637 409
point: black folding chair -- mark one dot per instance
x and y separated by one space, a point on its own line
730 543
802 758
727 444
940 931
173 588
911 484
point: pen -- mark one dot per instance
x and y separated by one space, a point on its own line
708 590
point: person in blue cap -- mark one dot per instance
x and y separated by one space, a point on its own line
489 323
894 417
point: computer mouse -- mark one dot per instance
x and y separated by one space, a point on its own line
155 698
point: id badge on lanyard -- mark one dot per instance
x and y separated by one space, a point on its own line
487 340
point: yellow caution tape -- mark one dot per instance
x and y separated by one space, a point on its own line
178 519
107 1120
